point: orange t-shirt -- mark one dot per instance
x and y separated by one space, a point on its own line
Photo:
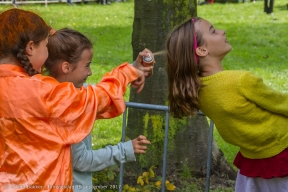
40 118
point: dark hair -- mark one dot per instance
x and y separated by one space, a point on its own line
65 45
17 28
182 69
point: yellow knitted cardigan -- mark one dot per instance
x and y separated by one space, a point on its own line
246 112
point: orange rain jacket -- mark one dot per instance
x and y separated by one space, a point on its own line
40 118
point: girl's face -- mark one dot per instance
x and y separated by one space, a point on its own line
39 55
79 73
215 40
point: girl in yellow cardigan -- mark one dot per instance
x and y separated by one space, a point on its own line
246 112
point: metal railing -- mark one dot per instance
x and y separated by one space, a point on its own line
166 110
46 2
20 2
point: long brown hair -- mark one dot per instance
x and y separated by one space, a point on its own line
17 28
182 69
65 45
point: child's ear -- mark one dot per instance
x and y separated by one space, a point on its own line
65 67
201 51
29 48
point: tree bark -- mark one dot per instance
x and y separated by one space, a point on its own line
188 138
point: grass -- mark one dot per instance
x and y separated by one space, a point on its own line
260 44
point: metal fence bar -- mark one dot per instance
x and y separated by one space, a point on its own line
15 2
166 109
147 106
6 2
210 143
46 2
165 152
120 187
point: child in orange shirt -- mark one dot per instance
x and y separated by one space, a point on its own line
39 117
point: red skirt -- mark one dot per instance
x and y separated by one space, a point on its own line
276 166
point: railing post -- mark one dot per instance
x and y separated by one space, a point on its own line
165 152
210 144
123 140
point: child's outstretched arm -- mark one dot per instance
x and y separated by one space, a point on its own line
68 107
96 160
85 159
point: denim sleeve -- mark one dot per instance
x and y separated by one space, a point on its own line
85 159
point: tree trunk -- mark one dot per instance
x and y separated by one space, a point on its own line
188 138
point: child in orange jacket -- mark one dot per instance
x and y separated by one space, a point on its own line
39 117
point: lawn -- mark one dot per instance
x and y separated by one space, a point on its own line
259 41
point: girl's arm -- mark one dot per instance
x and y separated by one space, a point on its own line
87 160
254 89
72 112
